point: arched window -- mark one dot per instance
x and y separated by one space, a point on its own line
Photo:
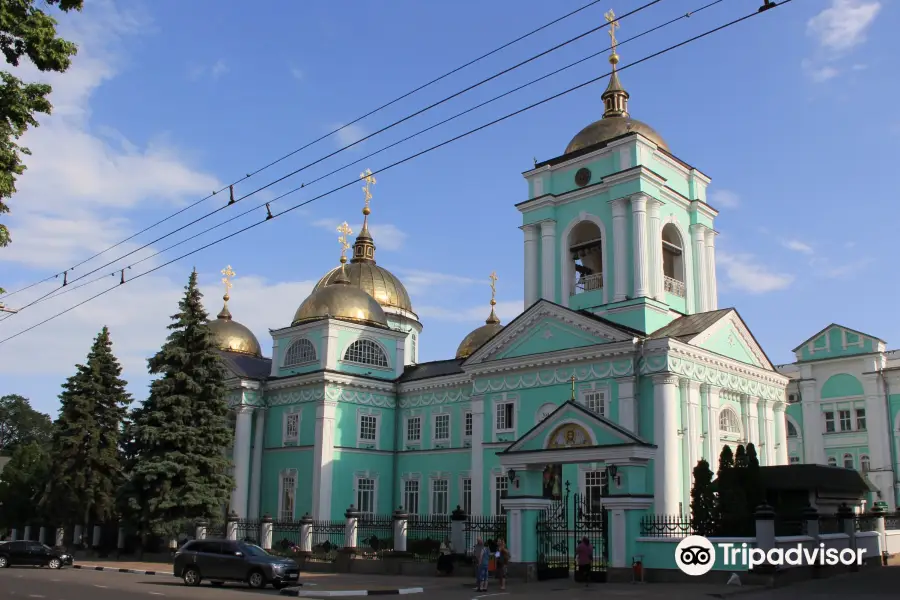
729 422
673 260
366 352
848 461
791 430
300 352
586 252
832 461
864 464
413 357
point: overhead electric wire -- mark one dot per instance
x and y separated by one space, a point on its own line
307 145
338 151
768 5
60 291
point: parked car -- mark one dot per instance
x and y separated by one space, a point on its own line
32 554
219 561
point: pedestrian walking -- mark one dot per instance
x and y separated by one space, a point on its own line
502 563
482 558
584 555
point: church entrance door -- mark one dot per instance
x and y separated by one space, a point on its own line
561 528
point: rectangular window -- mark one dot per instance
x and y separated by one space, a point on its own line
467 495
440 497
595 486
414 429
467 420
845 420
367 427
505 419
365 495
595 401
795 460
829 422
501 490
288 485
411 496
291 427
441 428
861 419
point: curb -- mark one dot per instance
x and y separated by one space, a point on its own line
297 592
115 570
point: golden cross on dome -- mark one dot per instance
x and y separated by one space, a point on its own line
573 379
613 25
345 232
493 278
227 275
370 180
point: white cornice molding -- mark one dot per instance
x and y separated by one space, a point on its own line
622 455
728 365
627 502
435 383
597 154
704 209
342 379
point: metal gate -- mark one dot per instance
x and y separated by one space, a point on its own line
561 528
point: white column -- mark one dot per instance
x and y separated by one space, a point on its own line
876 417
753 405
685 433
712 288
627 407
695 428
548 260
477 460
768 412
712 426
323 460
745 418
531 264
665 463
639 243
620 249
240 456
259 442
698 236
781 452
813 425
330 351
400 360
656 257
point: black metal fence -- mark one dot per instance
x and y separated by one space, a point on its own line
666 526
249 531
830 524
865 522
285 536
327 538
790 524
374 535
489 528
424 535
892 521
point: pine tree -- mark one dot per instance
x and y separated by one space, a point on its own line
86 469
740 457
703 500
753 486
180 433
726 460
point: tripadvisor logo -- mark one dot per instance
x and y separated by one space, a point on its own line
695 555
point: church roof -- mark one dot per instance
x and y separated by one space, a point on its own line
437 368
246 366
687 326
824 329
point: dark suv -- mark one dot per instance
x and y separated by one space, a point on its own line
34 554
219 561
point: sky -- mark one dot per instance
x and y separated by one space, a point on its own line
791 114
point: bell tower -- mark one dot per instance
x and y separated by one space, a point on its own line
618 225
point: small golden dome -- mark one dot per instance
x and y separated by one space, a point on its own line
477 338
340 299
376 282
609 128
231 336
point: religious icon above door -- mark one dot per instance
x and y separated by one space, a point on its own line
553 482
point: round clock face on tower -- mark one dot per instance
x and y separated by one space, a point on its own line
582 177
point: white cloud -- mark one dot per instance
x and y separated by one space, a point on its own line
724 199
386 235
418 281
506 311
798 246
743 272
348 135
843 24
198 71
828 269
296 73
218 69
820 73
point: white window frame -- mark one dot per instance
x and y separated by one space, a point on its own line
286 417
496 491
857 418
366 475
501 400
825 416
595 388
284 362
468 424
832 461
865 463
734 421
435 481
434 428
284 475
410 478
409 421
379 345
597 473
362 442
463 479
848 420
844 459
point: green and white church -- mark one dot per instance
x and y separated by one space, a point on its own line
622 357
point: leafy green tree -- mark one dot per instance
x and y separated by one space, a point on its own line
180 434
26 31
21 483
21 424
87 470
704 508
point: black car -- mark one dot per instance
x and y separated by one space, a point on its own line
33 554
219 561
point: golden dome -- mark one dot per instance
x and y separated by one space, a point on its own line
377 282
231 336
340 299
609 128
477 338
